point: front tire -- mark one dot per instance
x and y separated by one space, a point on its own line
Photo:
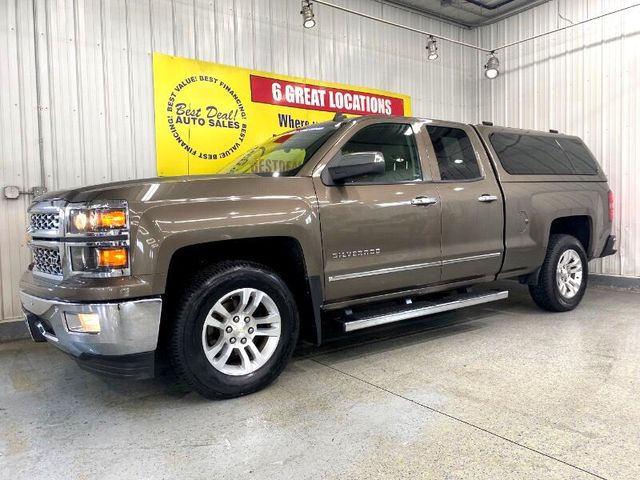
235 328
563 275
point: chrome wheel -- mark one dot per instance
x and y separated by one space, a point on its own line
569 273
241 331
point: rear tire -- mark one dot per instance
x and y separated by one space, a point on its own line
234 330
563 275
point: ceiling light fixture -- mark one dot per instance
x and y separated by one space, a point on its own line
492 68
432 48
308 18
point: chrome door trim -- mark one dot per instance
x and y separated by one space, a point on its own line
471 258
383 271
406 268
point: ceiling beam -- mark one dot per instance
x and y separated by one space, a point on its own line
461 6
427 13
465 44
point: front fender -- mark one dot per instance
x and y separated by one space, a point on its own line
166 228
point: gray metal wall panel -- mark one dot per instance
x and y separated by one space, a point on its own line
93 63
582 81
19 163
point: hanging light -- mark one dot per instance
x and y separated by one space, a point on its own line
308 18
492 68
432 48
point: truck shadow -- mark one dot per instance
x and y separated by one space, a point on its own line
420 330
167 388
384 338
396 336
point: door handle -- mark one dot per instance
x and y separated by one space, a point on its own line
487 198
424 201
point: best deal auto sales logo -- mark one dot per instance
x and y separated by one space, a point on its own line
206 117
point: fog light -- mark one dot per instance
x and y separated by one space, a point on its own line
83 322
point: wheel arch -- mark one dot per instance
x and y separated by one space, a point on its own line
547 292
578 226
282 254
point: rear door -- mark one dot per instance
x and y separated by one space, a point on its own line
381 234
472 205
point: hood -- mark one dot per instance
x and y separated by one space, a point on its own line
182 188
107 190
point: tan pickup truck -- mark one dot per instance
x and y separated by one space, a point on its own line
362 222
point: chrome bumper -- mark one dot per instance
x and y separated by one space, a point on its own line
125 327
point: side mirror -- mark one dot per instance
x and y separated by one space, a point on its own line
353 165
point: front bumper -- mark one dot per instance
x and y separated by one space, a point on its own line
126 342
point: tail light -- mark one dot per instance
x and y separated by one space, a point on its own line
611 206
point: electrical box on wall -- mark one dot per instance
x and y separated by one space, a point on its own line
37 191
11 192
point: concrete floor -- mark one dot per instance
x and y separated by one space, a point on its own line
501 391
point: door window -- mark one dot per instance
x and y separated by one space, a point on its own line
455 155
397 143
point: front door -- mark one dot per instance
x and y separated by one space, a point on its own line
472 208
381 232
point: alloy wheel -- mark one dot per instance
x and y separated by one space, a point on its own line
241 331
569 273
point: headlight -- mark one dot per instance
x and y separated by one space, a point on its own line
110 218
99 259
98 239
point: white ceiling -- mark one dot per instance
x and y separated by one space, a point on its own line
468 13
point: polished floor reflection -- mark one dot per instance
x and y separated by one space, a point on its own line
502 390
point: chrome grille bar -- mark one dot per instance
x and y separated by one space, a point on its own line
46 220
47 261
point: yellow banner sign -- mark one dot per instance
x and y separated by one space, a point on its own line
208 114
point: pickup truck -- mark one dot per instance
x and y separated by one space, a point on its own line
350 223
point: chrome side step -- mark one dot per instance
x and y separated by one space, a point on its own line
421 309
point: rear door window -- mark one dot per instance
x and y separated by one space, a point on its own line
455 155
542 155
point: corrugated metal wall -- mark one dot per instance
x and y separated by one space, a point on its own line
583 81
83 67
77 85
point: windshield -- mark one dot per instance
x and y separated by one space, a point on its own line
283 155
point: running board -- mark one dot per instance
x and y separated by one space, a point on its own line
420 309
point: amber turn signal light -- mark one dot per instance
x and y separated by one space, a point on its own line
111 219
113 257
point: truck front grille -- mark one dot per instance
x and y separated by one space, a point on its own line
47 260
45 221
